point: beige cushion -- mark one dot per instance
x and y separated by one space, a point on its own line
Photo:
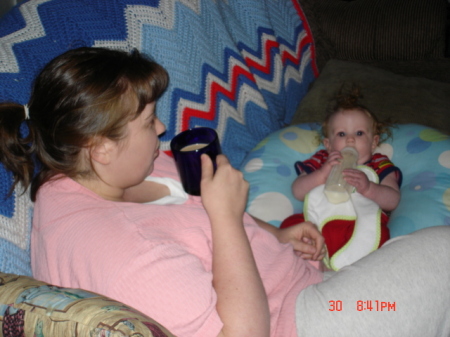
403 99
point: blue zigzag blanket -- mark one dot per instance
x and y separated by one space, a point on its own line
238 66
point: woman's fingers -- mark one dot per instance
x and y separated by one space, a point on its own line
207 167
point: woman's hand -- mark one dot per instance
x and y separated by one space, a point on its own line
306 239
224 193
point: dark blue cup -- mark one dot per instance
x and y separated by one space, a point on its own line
187 147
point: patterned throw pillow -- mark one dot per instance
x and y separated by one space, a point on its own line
36 309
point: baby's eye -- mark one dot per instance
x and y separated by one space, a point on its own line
341 134
359 133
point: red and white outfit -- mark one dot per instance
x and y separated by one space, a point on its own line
345 232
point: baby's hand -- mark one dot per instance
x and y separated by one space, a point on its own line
334 158
358 179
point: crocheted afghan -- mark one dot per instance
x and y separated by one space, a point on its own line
238 66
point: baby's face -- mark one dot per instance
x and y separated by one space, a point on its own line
352 128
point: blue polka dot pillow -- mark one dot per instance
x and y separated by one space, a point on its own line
422 153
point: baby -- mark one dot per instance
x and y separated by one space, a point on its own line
349 124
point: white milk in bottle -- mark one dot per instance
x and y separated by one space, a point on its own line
337 190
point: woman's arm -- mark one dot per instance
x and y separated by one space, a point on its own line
241 299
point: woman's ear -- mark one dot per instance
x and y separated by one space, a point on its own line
101 150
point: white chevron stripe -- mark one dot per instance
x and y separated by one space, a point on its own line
297 75
137 16
269 85
292 73
294 53
227 111
265 38
33 29
245 94
17 229
272 85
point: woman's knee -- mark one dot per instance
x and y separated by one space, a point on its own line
437 237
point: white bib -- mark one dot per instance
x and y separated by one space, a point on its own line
366 213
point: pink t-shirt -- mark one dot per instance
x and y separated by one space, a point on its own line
155 258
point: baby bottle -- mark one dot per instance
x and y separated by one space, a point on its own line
337 190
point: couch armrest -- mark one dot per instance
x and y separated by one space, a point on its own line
32 308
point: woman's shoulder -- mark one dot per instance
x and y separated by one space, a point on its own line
61 189
64 200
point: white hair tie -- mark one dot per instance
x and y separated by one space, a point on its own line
27 111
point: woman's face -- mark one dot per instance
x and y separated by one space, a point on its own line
137 152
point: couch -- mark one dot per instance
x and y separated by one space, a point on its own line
242 67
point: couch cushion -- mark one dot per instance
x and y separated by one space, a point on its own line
404 99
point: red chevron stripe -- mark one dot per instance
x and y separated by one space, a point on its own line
188 113
264 68
215 89
295 58
309 36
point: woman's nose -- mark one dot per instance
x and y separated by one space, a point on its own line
160 127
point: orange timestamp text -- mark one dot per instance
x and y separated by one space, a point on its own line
366 305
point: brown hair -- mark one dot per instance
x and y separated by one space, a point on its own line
348 98
79 96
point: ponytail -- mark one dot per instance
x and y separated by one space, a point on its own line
15 140
78 97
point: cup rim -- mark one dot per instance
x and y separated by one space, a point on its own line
185 132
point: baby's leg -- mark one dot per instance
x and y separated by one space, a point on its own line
402 289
